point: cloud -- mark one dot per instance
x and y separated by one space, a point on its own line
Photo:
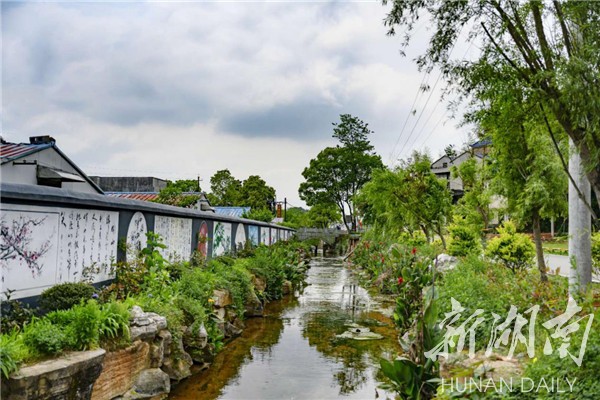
97 75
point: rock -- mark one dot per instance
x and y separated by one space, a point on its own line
220 313
222 298
149 383
71 376
177 364
253 307
194 342
157 353
287 288
359 333
145 325
177 369
167 339
231 330
446 262
259 283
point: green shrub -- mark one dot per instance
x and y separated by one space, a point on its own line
12 352
270 269
596 250
81 323
45 338
464 240
114 322
65 295
14 313
586 384
513 250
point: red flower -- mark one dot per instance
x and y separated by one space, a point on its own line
400 280
414 251
382 259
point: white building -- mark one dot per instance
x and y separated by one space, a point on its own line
40 162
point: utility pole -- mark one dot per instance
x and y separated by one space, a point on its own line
580 225
284 208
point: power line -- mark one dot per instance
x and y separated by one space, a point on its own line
410 111
427 101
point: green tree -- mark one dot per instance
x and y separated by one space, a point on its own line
550 50
408 199
255 193
323 215
259 214
474 205
225 189
338 173
181 193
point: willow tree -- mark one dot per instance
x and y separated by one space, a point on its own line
551 51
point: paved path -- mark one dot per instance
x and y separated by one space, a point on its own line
563 265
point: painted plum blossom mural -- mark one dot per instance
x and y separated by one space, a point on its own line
16 245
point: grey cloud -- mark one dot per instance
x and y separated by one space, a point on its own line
299 120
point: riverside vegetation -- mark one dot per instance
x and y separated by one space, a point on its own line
77 316
492 280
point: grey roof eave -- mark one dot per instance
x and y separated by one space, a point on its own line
19 193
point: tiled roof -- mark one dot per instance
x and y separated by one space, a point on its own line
482 143
144 196
232 211
14 151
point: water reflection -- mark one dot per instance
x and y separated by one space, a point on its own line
295 352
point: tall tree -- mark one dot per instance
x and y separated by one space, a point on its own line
181 193
225 189
550 49
255 193
474 205
337 173
409 198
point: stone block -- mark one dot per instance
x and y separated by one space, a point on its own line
71 376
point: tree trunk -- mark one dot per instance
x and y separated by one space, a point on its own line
580 221
439 232
537 236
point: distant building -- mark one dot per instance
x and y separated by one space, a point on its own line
442 168
41 162
130 183
232 211
145 188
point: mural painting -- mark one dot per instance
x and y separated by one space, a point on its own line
54 245
264 235
136 235
88 238
253 235
176 234
203 239
221 238
274 236
240 237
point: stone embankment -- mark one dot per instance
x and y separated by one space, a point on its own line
146 369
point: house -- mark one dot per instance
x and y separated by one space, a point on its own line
237 212
442 168
145 188
41 162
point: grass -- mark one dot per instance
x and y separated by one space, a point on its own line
560 247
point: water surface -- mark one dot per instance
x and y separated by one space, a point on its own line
293 352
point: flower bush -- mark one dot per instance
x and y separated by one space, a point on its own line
513 250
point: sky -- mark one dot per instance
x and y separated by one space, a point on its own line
179 90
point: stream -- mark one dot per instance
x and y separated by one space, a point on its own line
294 351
